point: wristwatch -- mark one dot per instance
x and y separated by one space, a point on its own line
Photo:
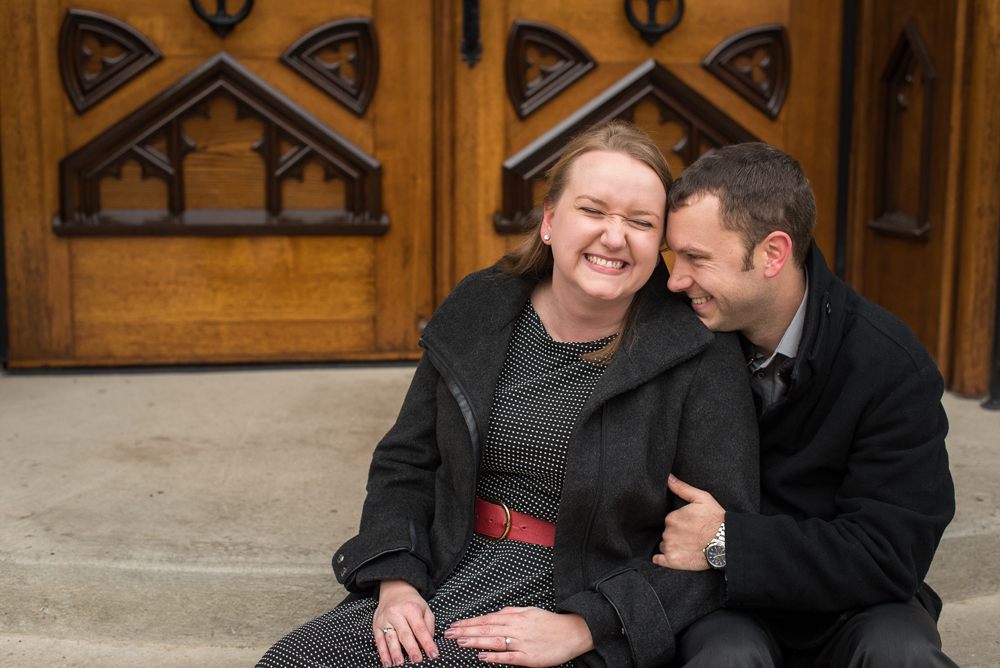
715 551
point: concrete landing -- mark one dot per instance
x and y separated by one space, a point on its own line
188 519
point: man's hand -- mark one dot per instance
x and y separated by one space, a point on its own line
689 529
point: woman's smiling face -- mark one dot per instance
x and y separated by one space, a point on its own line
605 230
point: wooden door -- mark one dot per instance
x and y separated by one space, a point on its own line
727 71
158 222
906 164
173 195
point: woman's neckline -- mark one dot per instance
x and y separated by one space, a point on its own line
604 340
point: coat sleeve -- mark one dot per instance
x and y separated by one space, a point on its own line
635 611
392 542
892 507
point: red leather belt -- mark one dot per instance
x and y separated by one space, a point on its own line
494 520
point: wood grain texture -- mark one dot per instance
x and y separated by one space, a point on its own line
479 147
403 109
980 219
812 121
241 298
38 278
605 32
860 189
445 60
953 197
223 172
269 29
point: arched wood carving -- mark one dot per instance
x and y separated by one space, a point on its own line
323 55
98 54
703 123
160 122
572 61
893 173
756 63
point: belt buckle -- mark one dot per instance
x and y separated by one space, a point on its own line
507 521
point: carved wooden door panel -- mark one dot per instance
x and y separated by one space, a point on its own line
202 188
703 74
905 180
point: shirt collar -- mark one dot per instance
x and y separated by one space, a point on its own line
789 344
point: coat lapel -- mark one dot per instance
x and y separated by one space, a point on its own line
471 332
667 332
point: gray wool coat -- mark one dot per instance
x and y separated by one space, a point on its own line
676 400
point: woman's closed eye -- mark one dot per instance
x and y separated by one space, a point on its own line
641 223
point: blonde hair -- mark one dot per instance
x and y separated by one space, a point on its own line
532 258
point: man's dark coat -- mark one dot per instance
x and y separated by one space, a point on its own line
676 399
855 486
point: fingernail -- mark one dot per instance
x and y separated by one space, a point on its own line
463 641
672 478
449 633
433 654
484 657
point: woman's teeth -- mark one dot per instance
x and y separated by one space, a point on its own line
613 264
700 300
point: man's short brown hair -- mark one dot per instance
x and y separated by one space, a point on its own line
760 190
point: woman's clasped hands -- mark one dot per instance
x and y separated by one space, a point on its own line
524 636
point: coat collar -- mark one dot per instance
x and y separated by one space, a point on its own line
824 315
472 328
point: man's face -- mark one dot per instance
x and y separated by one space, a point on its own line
708 267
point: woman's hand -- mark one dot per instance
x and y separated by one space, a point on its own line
524 636
408 621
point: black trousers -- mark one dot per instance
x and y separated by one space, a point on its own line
890 635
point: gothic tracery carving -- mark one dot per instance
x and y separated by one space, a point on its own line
703 126
98 54
341 58
541 62
907 108
756 63
153 136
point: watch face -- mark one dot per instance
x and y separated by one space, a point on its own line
716 556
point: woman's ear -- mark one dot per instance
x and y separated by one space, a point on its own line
545 230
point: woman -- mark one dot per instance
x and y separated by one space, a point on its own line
513 429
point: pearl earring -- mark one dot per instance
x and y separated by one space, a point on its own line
546 236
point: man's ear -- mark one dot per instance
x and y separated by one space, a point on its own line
777 249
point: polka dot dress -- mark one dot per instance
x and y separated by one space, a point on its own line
540 393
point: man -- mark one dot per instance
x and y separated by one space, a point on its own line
855 486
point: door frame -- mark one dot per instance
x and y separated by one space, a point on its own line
4 333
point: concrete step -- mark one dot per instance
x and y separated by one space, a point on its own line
186 519
970 631
169 604
17 651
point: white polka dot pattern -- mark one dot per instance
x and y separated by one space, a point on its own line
541 390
